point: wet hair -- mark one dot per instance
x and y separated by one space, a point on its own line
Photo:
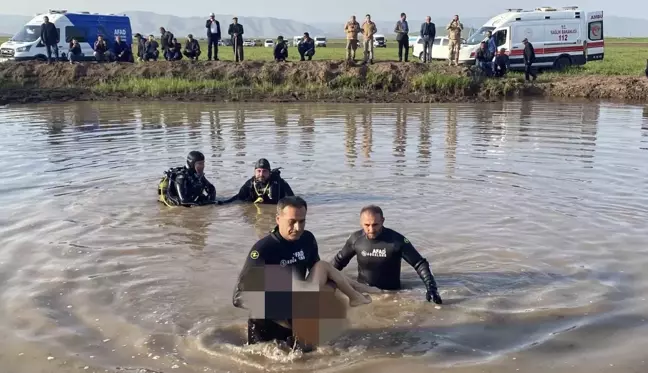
291 201
373 209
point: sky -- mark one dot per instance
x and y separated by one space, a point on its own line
314 11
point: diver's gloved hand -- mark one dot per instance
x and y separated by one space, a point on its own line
433 294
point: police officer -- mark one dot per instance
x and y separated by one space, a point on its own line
265 187
380 251
288 248
187 186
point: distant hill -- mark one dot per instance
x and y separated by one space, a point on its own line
261 27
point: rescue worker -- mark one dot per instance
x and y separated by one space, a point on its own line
213 36
236 32
379 251
501 63
122 51
192 48
402 36
100 49
492 43
265 187
428 33
281 50
351 28
187 186
174 51
151 49
141 46
288 250
166 40
306 47
454 35
529 59
369 29
50 38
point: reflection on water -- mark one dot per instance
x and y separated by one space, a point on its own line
532 214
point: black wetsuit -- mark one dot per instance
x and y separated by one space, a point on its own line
276 189
379 260
269 258
190 189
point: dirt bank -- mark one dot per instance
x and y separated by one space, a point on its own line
334 81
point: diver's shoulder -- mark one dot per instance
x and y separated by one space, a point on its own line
393 235
355 236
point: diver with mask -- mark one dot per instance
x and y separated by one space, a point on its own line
187 186
265 187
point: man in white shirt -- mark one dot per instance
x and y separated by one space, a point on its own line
213 36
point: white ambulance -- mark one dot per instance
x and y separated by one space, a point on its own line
561 37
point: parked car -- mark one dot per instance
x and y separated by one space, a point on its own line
249 43
380 41
320 41
439 48
269 43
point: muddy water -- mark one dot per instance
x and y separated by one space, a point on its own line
533 215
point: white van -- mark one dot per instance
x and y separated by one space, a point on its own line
320 41
560 37
84 27
379 41
296 40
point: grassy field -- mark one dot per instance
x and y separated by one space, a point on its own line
622 56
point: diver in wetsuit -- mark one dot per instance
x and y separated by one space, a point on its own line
187 186
288 249
380 251
266 186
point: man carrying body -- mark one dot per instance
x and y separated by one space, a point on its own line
380 251
187 186
266 186
369 29
289 250
428 33
454 34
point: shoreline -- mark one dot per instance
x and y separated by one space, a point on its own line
309 81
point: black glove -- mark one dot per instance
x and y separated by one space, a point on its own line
433 294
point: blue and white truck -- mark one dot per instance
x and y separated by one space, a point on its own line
26 45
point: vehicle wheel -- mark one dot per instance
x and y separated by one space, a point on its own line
562 63
41 58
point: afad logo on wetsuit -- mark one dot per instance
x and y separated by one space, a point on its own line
380 253
296 256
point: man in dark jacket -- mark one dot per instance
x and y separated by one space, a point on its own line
122 51
428 33
50 38
265 187
166 40
213 36
151 49
281 50
174 51
529 59
75 52
306 47
192 48
236 31
484 58
141 46
100 49
402 36
501 63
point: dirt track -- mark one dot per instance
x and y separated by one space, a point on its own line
334 81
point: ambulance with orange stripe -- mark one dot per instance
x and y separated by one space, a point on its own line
561 37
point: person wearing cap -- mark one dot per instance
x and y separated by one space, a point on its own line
213 36
281 50
236 31
187 186
192 48
529 59
265 187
